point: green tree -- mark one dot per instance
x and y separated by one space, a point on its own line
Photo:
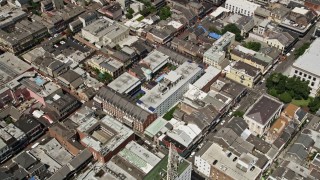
164 13
298 52
273 92
130 11
234 29
285 97
129 16
253 45
314 105
238 114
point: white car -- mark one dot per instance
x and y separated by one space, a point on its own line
56 46
62 42
288 54
222 122
292 49
192 154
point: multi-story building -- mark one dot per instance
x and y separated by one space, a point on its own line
104 138
244 74
25 34
167 92
306 67
126 84
253 58
112 11
123 109
217 163
105 32
10 15
215 56
243 7
108 65
215 2
62 105
262 113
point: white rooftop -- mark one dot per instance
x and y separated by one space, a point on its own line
310 60
210 73
216 154
124 83
175 24
300 10
155 60
161 92
243 4
219 11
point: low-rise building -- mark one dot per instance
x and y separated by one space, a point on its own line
299 20
154 62
244 74
104 138
167 92
262 113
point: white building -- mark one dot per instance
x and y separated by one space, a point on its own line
215 56
103 32
262 113
125 84
306 67
167 92
243 7
217 163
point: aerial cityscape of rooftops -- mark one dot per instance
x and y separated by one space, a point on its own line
160 89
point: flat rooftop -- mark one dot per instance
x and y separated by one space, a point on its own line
124 83
217 157
310 60
139 157
155 60
9 15
210 73
11 66
161 167
161 92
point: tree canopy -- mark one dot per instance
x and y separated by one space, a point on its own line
253 45
164 13
234 29
301 50
280 85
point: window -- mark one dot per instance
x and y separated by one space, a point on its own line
300 73
304 75
312 84
296 72
314 79
309 77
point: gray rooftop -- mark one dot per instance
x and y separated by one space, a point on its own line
263 110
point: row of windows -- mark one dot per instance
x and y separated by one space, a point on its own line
296 72
238 10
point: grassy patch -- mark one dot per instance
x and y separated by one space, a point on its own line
169 115
301 103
